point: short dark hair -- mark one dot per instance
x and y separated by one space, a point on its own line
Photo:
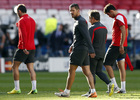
22 8
95 14
74 5
108 7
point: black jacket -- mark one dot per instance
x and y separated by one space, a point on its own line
81 38
98 33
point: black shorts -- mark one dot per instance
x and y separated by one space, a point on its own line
22 57
113 54
79 57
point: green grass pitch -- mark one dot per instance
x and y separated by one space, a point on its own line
49 83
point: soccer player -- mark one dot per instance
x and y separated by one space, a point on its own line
26 49
79 50
117 49
98 33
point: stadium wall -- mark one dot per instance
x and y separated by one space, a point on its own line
51 64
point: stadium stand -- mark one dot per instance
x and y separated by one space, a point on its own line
59 8
40 10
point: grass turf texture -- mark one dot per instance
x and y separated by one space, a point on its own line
49 83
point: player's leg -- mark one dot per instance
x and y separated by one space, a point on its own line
30 67
93 66
70 80
90 80
121 67
93 63
104 77
71 76
100 73
110 58
19 57
15 66
87 73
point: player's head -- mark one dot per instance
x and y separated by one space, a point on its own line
74 10
110 10
21 9
94 16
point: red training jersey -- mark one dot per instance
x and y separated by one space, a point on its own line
26 26
116 32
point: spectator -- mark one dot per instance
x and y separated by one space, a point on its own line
57 41
51 25
68 39
2 42
129 41
40 40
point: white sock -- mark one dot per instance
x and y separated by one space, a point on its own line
123 85
67 91
16 82
113 80
93 90
33 84
108 86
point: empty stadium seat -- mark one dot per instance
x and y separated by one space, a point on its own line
53 12
41 11
123 11
9 11
98 7
30 11
2 11
127 7
5 19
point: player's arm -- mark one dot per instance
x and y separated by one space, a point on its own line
70 48
85 33
122 28
23 31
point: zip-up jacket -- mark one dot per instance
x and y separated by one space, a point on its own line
98 33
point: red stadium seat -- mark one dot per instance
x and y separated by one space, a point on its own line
123 7
45 2
135 7
3 2
14 2
87 6
98 7
56 6
66 3
87 2
124 2
99 2
114 2
46 7
136 2
35 6
79 2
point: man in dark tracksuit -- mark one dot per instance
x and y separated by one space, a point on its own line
79 50
98 33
